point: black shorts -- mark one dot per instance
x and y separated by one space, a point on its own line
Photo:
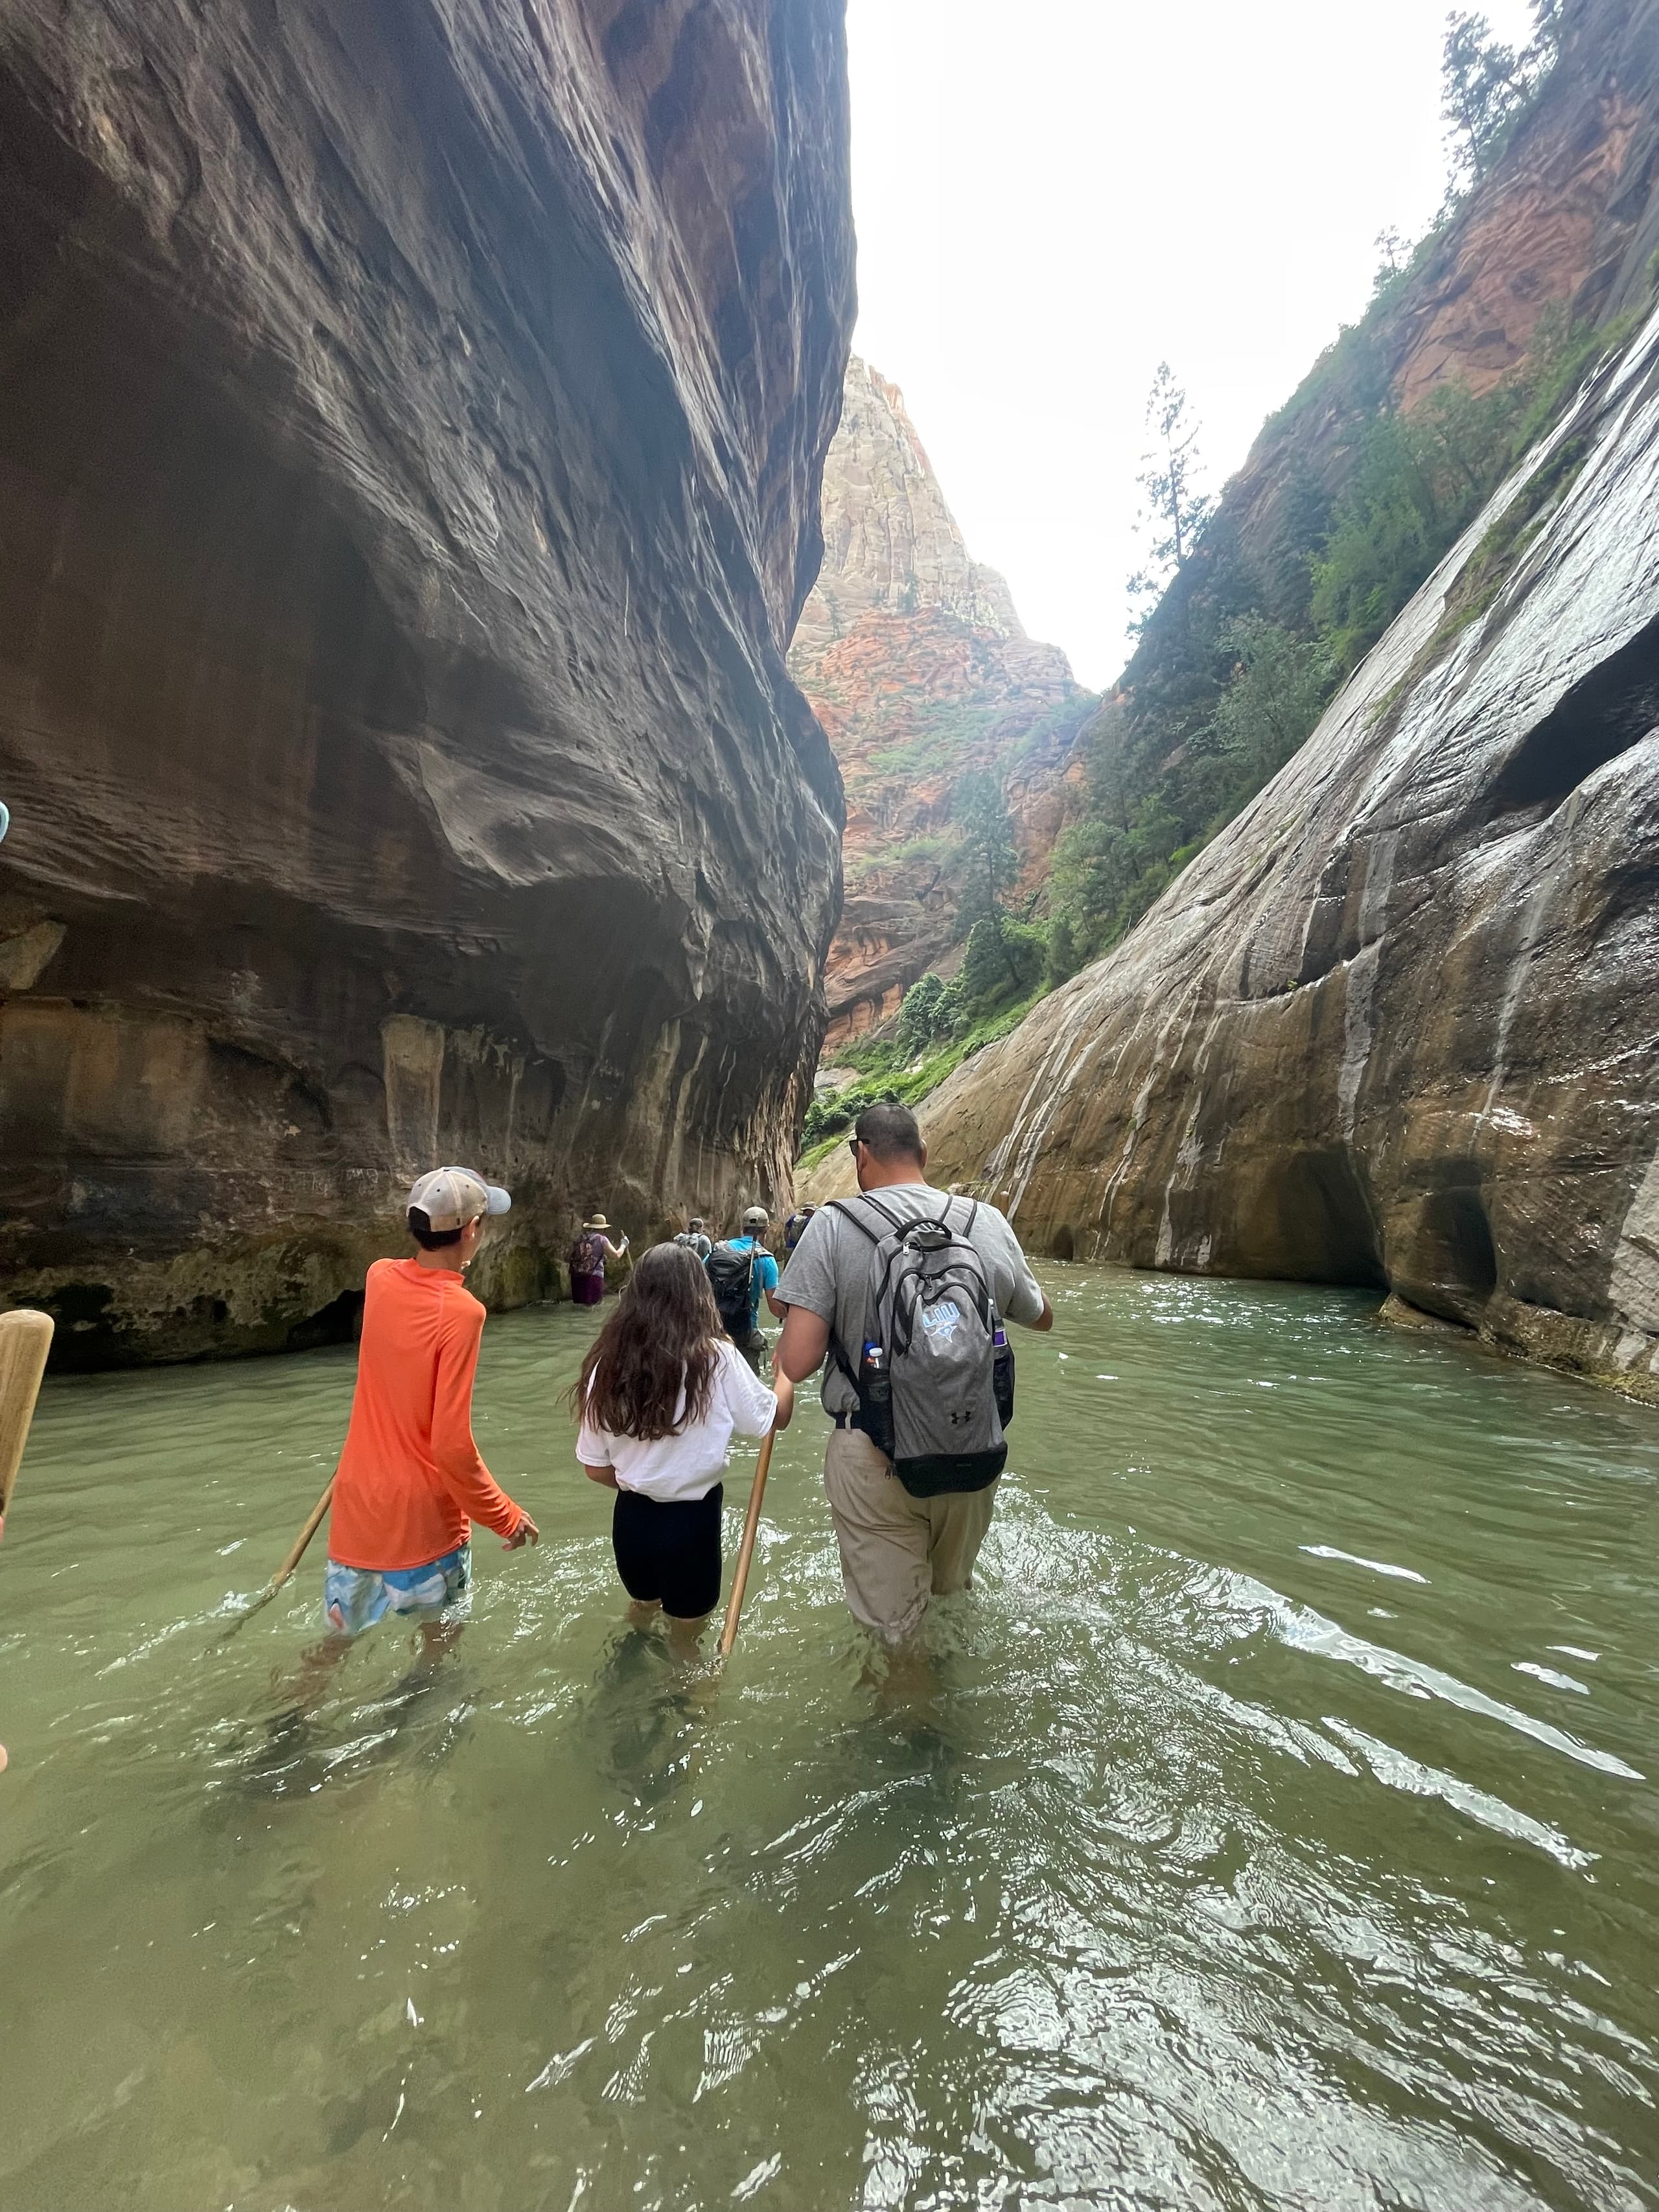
670 1551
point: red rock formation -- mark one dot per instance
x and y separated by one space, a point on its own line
1565 221
915 661
1535 238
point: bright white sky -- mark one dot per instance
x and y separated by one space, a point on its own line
1052 196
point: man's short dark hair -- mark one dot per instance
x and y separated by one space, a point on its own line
889 1132
428 1238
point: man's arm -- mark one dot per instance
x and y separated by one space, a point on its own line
1027 1304
778 1307
802 1348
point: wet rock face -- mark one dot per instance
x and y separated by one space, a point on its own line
920 670
410 423
1399 1023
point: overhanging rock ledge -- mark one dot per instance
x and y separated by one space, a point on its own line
410 425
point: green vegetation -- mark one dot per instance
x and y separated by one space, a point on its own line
1487 91
933 849
1005 968
1419 480
944 731
987 848
1003 973
1488 87
888 1074
1174 505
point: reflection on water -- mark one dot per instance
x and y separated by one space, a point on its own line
1274 1826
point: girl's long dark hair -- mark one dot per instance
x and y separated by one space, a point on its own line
661 1341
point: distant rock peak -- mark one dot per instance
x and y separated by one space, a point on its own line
890 542
920 671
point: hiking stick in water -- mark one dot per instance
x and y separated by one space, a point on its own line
284 1573
25 1340
746 1551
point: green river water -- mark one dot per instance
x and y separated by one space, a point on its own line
1274 1825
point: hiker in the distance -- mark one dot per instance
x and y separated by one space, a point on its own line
696 1237
741 1272
919 1381
795 1228
588 1255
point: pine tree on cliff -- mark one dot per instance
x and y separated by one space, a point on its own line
1175 509
987 844
1486 85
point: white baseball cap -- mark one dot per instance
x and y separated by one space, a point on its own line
451 1197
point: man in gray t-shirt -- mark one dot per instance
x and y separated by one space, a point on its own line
896 1551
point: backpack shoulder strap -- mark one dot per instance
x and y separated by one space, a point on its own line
844 1207
944 1220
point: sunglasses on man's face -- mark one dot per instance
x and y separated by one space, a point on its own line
852 1146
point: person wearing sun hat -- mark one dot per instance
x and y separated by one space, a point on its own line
588 1255
410 1481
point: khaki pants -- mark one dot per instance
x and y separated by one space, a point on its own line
896 1551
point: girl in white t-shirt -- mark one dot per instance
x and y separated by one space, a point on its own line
661 1395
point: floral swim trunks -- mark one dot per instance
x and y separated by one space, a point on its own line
354 1598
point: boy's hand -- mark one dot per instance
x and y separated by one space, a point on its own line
525 1532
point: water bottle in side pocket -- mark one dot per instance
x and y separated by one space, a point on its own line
876 1399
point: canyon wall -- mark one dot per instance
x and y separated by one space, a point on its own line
411 419
1399 1023
918 667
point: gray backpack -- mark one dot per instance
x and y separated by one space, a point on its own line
935 1378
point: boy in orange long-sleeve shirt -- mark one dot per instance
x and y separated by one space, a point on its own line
410 1481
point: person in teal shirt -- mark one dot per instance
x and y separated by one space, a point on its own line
762 1281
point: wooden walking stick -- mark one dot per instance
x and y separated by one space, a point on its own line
25 1340
284 1573
746 1550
